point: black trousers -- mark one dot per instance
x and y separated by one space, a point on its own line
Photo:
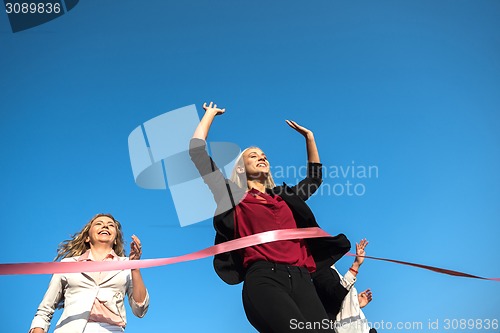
279 298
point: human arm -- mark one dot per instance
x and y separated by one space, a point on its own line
139 289
365 297
49 303
203 127
306 187
360 256
211 174
349 278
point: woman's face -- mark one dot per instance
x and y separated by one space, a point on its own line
256 164
102 230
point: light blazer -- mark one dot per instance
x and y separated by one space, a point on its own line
78 291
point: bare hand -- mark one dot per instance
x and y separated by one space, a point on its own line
37 330
301 129
364 298
360 251
135 248
213 108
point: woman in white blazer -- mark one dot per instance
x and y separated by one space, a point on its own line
94 301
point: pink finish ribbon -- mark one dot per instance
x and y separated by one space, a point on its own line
101 266
236 244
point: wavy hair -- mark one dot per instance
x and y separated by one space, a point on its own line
240 179
76 246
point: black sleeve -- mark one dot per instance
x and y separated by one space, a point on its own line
307 186
211 174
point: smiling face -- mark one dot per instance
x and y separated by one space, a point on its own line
255 163
251 165
103 229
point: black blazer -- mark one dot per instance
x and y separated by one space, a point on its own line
229 266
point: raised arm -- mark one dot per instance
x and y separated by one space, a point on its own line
312 149
360 256
207 168
349 278
306 187
366 296
138 298
203 127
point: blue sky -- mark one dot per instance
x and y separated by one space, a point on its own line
410 87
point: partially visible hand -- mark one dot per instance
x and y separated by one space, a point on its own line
301 129
135 248
37 330
360 251
364 298
213 108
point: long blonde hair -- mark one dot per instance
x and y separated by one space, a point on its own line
240 179
76 246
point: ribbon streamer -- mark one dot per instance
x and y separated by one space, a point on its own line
430 268
236 244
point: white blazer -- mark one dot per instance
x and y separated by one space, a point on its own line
79 291
350 318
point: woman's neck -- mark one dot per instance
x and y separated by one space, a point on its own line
259 186
99 252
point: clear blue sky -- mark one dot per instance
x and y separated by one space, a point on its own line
410 87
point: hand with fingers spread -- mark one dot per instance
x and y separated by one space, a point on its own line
360 251
212 107
135 248
211 111
360 256
364 298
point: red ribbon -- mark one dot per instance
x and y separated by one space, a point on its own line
430 268
236 244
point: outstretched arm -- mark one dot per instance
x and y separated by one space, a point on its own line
312 149
203 127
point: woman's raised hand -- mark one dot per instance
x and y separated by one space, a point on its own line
135 248
213 108
360 251
312 149
301 129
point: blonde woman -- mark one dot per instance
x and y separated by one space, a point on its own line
94 302
278 293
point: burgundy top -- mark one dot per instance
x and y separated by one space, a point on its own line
260 212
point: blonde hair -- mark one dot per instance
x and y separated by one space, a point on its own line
240 179
76 246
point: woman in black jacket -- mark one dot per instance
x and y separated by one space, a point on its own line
278 293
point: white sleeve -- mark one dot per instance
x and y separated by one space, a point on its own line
53 295
347 281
